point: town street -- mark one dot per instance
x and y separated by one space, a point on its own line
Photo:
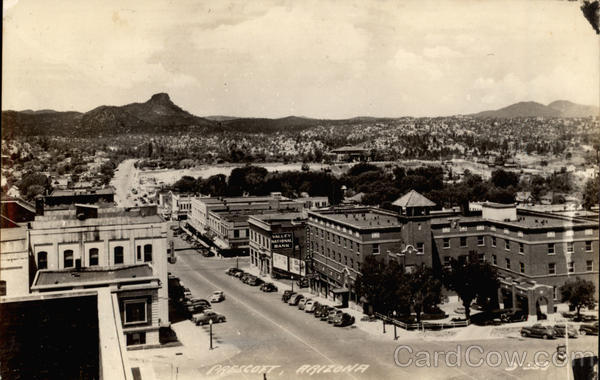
268 332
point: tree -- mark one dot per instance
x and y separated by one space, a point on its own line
470 279
504 179
578 293
425 290
591 193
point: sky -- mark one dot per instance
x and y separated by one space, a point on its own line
324 59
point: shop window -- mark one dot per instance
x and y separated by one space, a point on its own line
136 338
94 256
135 311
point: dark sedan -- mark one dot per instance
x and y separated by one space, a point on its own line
539 331
589 329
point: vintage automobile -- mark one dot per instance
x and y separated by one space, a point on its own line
268 287
205 318
302 303
539 331
560 329
589 329
287 294
217 296
343 319
333 314
310 306
295 299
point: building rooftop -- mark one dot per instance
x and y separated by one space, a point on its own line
360 218
64 193
279 216
347 149
413 199
106 216
84 275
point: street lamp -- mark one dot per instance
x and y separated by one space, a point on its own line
210 323
395 333
292 283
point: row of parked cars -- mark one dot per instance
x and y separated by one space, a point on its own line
200 309
559 330
323 312
246 278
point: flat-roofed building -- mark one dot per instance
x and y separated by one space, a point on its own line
14 262
524 245
123 249
278 244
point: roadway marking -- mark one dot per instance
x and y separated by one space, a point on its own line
268 319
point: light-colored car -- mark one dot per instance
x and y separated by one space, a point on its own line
310 306
205 318
217 296
302 303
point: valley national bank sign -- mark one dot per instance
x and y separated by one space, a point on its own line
288 264
282 240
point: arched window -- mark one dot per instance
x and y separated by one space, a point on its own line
94 256
68 258
42 260
118 255
148 252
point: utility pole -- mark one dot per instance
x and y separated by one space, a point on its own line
210 323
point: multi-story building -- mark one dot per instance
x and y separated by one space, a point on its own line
225 220
14 262
181 205
537 247
277 244
341 238
123 250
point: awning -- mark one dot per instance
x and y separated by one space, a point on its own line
340 290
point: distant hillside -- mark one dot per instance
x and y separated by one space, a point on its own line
157 115
559 108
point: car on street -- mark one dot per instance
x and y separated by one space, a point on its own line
588 329
195 309
239 274
310 306
232 271
323 312
343 319
333 314
268 287
254 281
217 296
294 299
206 253
513 316
205 318
302 282
287 294
538 331
303 302
560 329
197 301
244 278
187 293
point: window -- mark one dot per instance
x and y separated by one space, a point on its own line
492 228
236 233
118 255
551 268
346 260
136 338
520 234
550 234
148 252
446 229
570 247
493 241
375 249
506 231
420 248
446 260
589 265
507 263
344 239
94 256
480 240
494 260
589 231
462 228
446 242
522 267
463 241
480 227
588 246
42 260
481 257
521 248
135 311
375 235
507 245
139 253
68 258
551 248
569 233
2 288
571 266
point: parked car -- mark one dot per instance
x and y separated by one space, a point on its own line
239 274
244 278
254 281
293 301
302 303
302 282
195 309
538 330
319 310
217 296
268 287
287 294
187 293
233 271
561 328
325 312
206 317
207 253
589 329
344 319
514 316
310 306
194 302
333 314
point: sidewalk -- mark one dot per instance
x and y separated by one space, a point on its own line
182 362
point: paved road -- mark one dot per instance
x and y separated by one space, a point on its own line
123 181
271 333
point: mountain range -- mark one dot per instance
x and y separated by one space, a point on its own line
558 108
159 115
